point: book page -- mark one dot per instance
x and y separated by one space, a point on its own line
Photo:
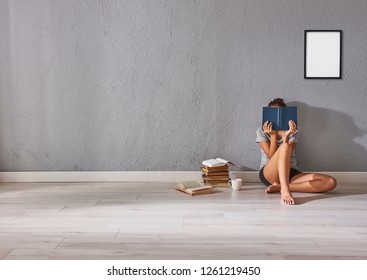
225 161
222 160
190 184
212 162
200 188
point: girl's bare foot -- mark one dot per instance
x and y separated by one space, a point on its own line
275 187
287 198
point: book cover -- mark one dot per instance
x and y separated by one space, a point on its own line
215 178
215 174
279 116
216 183
215 169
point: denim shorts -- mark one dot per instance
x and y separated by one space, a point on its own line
293 172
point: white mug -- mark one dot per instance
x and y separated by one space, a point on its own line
235 184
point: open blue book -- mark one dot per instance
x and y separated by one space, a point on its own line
280 116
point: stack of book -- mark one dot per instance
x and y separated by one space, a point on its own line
215 172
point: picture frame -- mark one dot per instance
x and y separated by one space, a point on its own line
323 54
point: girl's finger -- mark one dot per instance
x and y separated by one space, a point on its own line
294 125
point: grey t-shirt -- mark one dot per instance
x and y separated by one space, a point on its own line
261 136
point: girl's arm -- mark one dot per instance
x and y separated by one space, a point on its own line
271 147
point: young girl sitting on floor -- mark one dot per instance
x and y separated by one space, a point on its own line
278 167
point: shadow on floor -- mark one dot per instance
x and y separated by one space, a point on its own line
343 191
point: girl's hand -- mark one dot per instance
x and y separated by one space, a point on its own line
268 128
292 129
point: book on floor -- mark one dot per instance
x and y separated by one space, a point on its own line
279 116
215 173
194 188
216 183
215 177
215 169
217 162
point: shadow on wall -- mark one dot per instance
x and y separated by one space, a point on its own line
328 141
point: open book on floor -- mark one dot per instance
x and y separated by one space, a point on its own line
217 162
194 188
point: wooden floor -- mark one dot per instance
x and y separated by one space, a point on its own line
150 220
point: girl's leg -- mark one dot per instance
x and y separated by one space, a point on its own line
277 170
308 182
284 162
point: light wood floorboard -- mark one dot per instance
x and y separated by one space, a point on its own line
150 220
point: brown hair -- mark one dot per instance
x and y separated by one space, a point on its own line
277 102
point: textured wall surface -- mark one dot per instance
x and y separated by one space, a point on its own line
162 85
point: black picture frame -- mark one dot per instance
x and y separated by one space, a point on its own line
323 54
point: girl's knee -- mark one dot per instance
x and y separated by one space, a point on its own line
285 146
329 183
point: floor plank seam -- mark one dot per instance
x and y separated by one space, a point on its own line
117 233
59 243
3 258
20 215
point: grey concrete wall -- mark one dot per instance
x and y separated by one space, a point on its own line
162 85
